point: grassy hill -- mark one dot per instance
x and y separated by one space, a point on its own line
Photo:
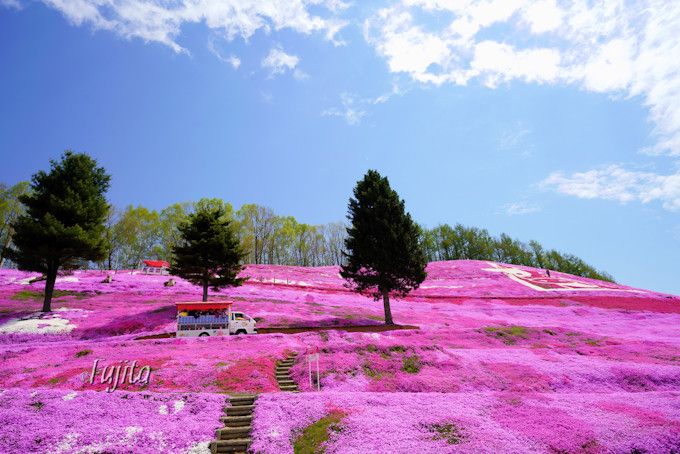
504 359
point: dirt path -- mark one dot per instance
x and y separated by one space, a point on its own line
351 329
304 329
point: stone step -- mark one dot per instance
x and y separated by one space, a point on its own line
285 382
238 401
243 396
241 410
237 421
231 433
236 445
288 387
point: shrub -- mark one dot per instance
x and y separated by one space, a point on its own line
37 405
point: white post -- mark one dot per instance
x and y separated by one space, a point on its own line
318 378
309 367
311 358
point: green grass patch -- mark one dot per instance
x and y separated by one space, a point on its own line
25 295
508 334
369 371
82 353
323 335
315 435
448 432
411 364
398 348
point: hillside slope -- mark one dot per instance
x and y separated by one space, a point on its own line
505 359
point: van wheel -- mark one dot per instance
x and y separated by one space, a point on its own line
203 334
241 331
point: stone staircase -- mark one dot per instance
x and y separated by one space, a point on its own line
234 437
283 377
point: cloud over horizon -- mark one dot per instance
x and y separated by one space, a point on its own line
622 48
161 22
616 183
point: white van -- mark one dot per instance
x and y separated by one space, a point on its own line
212 319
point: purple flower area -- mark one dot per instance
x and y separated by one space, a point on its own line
504 359
59 421
479 422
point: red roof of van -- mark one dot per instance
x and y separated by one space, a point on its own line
157 263
200 306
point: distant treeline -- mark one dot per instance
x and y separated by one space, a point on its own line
138 233
459 242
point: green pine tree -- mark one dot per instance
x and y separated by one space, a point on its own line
209 254
383 250
64 220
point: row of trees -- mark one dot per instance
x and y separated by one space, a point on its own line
470 243
138 233
10 209
64 222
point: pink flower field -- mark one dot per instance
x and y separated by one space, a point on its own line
504 359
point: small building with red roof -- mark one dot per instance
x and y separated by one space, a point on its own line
154 266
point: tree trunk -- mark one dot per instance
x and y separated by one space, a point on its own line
388 310
5 245
205 290
49 290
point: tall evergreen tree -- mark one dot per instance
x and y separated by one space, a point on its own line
64 220
209 253
383 250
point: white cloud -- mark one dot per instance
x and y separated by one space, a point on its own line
499 62
624 48
10 4
161 22
351 111
543 16
520 208
279 62
515 138
232 60
618 184
353 108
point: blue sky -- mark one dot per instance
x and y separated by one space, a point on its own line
547 120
